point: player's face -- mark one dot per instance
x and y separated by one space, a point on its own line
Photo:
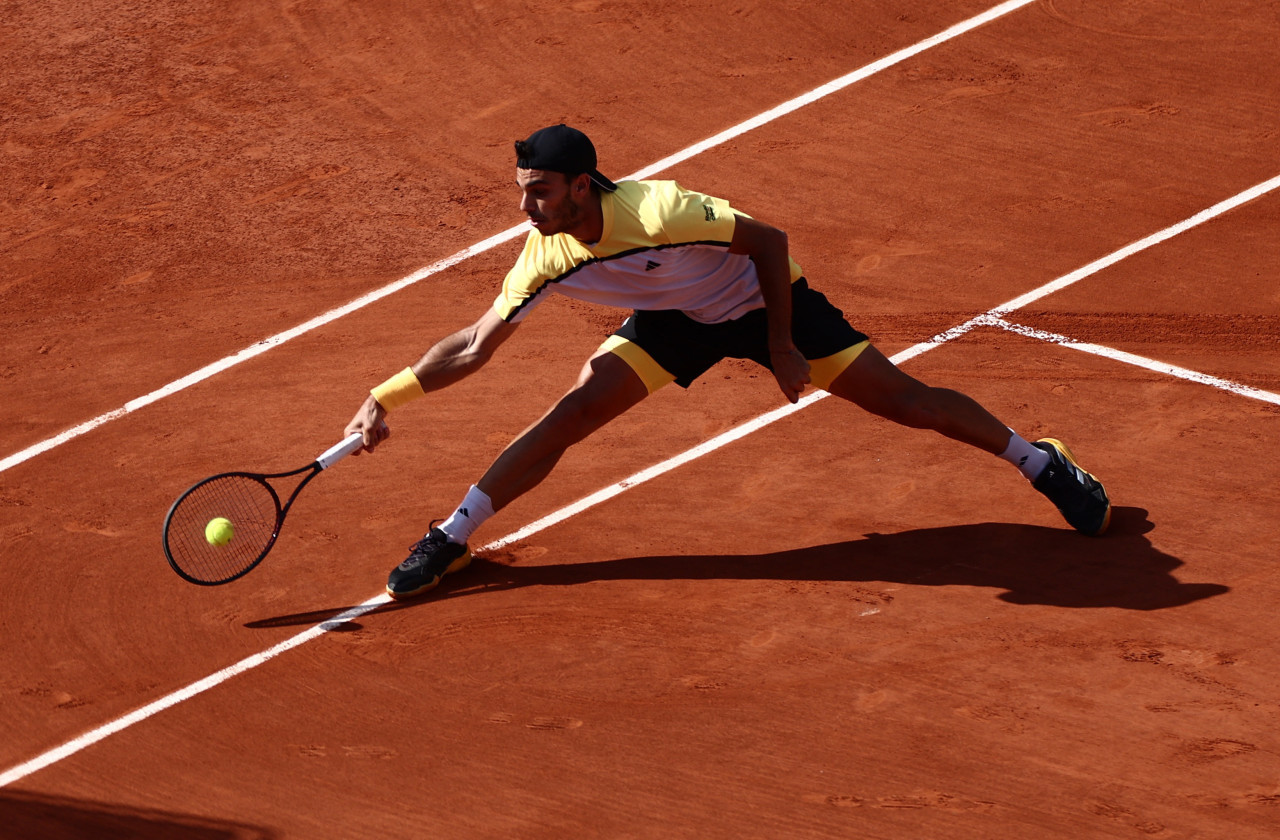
550 201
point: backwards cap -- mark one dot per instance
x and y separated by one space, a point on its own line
559 148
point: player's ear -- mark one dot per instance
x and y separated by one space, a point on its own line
580 183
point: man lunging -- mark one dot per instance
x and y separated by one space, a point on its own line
704 282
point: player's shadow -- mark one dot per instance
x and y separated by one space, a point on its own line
1029 565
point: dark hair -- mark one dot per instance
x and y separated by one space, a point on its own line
524 152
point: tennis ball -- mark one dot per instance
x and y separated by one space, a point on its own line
219 531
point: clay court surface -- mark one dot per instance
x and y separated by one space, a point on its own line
831 627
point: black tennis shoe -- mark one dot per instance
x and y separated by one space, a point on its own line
1078 496
430 559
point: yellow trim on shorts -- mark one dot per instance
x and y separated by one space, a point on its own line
650 372
822 372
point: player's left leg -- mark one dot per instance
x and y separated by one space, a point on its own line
874 383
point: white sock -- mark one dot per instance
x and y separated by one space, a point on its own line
476 507
1029 460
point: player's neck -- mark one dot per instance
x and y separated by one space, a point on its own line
591 226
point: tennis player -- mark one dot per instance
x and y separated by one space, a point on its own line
704 282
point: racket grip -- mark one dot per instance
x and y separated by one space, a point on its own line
337 453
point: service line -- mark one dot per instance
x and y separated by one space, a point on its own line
1140 361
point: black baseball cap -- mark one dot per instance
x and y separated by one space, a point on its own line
559 148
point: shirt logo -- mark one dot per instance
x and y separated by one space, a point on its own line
651 265
710 211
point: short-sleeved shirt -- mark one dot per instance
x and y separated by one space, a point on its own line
662 248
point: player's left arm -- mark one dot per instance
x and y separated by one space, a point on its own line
767 247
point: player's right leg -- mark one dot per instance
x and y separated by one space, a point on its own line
608 385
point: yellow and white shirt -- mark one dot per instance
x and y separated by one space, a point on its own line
663 247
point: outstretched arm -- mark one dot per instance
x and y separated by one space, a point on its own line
462 353
767 247
451 359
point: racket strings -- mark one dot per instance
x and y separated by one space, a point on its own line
250 506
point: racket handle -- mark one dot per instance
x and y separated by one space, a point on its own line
342 450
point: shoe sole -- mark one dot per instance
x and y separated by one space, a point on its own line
456 566
1066 453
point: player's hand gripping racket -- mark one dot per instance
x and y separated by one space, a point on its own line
223 526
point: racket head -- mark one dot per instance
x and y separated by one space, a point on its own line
248 502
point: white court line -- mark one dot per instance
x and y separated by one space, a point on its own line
88 739
991 317
1141 245
505 236
1139 361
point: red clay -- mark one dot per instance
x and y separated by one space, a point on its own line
832 628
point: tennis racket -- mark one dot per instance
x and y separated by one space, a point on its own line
206 551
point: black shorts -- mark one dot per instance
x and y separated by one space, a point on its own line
686 348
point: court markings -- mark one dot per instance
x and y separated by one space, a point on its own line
494 241
991 318
1138 361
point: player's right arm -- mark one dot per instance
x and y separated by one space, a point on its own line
462 353
451 359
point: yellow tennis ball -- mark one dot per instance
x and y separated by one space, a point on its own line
219 531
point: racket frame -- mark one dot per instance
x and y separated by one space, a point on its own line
327 459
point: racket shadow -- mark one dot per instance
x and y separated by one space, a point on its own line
1030 564
321 616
